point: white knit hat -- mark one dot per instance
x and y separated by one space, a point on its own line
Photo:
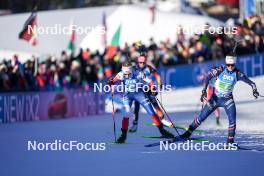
230 59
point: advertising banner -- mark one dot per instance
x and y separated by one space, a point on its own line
30 106
190 75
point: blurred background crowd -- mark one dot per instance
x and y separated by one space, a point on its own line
87 68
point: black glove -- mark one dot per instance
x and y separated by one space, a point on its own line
160 86
204 95
154 93
110 82
255 93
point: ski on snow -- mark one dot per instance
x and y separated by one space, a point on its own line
250 149
177 139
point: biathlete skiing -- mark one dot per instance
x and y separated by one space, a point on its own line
149 72
226 77
132 81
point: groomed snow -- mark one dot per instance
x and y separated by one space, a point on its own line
134 159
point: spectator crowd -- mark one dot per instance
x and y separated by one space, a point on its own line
86 68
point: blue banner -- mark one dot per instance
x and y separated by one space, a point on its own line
249 7
191 75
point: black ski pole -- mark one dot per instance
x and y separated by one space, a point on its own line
161 96
168 117
237 41
113 115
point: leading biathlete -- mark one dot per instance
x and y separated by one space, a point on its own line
130 78
226 77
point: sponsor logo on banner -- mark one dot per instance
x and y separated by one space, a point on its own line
28 106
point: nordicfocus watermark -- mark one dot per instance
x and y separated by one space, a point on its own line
59 29
228 30
197 146
136 87
59 145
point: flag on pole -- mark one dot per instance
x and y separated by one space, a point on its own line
29 31
115 43
104 36
152 8
71 44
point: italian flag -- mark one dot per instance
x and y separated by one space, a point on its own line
115 43
71 45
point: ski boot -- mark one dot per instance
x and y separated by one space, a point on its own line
230 140
231 143
187 133
134 127
165 133
123 136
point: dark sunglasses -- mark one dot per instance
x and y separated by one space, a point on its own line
141 62
230 65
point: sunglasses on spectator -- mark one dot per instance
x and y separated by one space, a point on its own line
230 65
141 62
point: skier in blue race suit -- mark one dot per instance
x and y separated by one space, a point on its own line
226 77
133 82
150 72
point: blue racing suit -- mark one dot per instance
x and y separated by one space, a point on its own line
132 94
149 72
223 96
135 84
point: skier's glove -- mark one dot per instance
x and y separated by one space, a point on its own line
110 82
204 95
154 91
255 93
160 86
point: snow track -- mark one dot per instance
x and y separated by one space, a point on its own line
135 159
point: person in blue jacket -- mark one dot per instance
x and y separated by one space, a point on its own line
226 77
134 83
150 72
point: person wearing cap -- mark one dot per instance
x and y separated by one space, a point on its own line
150 72
132 80
226 77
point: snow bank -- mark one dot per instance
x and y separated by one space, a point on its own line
136 26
